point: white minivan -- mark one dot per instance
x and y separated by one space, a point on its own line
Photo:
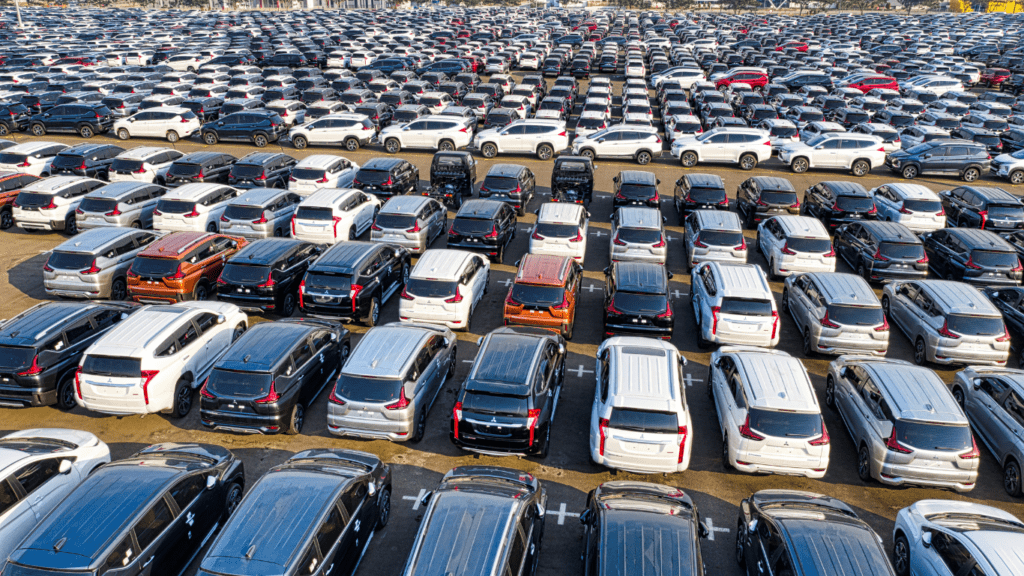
445 287
561 230
795 244
332 215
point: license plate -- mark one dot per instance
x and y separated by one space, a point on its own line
640 448
65 277
322 299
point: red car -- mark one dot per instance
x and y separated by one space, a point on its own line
755 79
869 83
800 46
994 76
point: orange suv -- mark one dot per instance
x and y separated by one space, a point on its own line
10 184
180 266
545 293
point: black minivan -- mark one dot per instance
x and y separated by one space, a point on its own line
963 158
973 256
352 280
484 226
92 160
260 127
265 275
156 507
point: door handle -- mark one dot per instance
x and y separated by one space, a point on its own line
37 499
146 563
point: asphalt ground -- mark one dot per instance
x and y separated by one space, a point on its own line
567 474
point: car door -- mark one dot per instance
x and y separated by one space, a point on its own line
981 402
43 485
327 547
366 212
196 512
827 154
162 541
946 555
899 307
513 138
358 529
215 341
307 371
417 134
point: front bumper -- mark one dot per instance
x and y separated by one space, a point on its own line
13 396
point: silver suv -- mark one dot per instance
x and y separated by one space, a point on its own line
128 204
993 399
95 263
733 304
836 314
905 423
948 322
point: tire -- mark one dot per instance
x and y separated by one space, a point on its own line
545 152
288 306
238 331
920 354
861 168
958 396
297 418
38 129
799 165
725 452
748 162
546 447
392 146
863 272
123 134
588 153
211 227
6 219
201 292
66 392
210 138
451 365
901 556
119 289
740 550
351 144
384 509
1011 478
446 146
352 233
688 159
137 225
885 306
830 392
260 141
300 142
405 274
1017 177
373 317
71 225
172 136
643 157
808 346
183 394
864 463
489 150
4 130
233 499
771 271
567 333
910 172
971 174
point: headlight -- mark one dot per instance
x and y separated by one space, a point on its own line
895 163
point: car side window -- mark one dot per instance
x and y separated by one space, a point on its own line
953 553
309 562
329 531
321 340
122 555
872 397
78 333
604 377
1014 406
303 354
517 554
436 344
187 490
33 475
153 523
206 321
994 387
187 336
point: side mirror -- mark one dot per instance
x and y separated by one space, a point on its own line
537 212
561 349
977 383
426 498
540 510
221 319
670 275
844 372
925 157
211 482
664 219
516 263
926 539
752 525
371 489
657 181
702 530
585 516
718 363
65 467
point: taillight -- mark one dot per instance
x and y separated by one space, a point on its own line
271 397
885 325
415 228
263 216
78 383
224 219
1006 335
269 283
822 440
456 416
831 252
775 324
92 269
970 263
336 219
945 333
893 444
400 404
493 233
334 398
455 299
878 255
660 243
602 429
34 369
667 314
984 218
747 433
828 323
577 238
147 377
974 451
617 241
193 213
715 311
178 274
353 293
532 416
786 249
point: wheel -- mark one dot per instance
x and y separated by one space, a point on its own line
1011 478
725 452
137 225
748 162
971 174
785 300
183 393
351 144
1017 177
958 396
588 153
901 556
489 150
123 134
799 165
260 140
300 142
66 392
864 463
808 345
451 365
910 172
211 227
421 426
643 158
863 272
830 392
446 146
861 168
392 146
38 130
374 316
4 130
885 305
233 499
772 275
288 306
6 219
238 331
405 274
545 151
384 509
201 292
210 138
920 356
741 554
296 419
71 225
688 159
172 136
118 289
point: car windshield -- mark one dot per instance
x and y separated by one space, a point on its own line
154 267
112 366
238 384
431 288
238 273
809 245
644 421
994 259
855 315
855 203
16 356
328 281
975 325
901 250
556 230
747 307
531 295
70 260
933 436
785 424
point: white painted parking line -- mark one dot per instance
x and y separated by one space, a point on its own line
418 499
677 293
580 371
468 361
598 233
562 514
689 379
592 287
712 529
506 282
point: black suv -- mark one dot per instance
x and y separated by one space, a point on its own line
963 158
623 517
14 117
261 127
378 113
269 376
336 500
1012 139
264 276
40 349
636 188
158 506
262 170
86 119
972 256
352 280
486 519
486 226
207 109
386 177
699 192
515 381
988 138
1009 301
984 207
636 300
762 197
838 202
882 251
41 101
199 167
782 531
510 183
92 160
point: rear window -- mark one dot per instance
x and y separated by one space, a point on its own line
706 195
175 206
236 384
370 176
975 325
246 170
746 307
395 221
113 366
855 315
809 245
537 295
638 235
1005 212
639 303
69 260
235 212
994 259
782 132
900 250
784 424
934 206
328 281
245 273
68 161
16 356
472 226
933 436
500 183
185 169
556 230
720 238
154 267
643 421
498 404
314 213
126 166
811 116
308 173
856 117
778 197
431 288
33 199
855 203
97 204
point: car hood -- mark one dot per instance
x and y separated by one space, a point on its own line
1007 159
487 133
795 146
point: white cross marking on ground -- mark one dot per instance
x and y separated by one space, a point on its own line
418 499
507 282
712 529
599 233
580 371
677 293
671 238
689 379
562 514
592 287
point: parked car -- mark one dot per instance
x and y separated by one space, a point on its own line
92 160
143 164
483 225
638 235
838 202
261 170
699 192
509 183
172 123
882 251
265 276
713 235
33 157
912 205
548 285
636 141
836 314
413 222
761 197
733 304
330 215
858 153
94 264
126 204
984 207
352 280
260 127
977 257
50 204
180 267
992 399
636 300
83 118
319 171
349 130
744 146
561 230
543 138
387 177
445 133
199 167
962 158
193 207
793 244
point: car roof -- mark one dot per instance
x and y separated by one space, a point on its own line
644 375
506 170
741 280
775 379
706 180
773 183
327 197
404 204
717 220
440 264
200 157
175 244
53 183
40 321
382 163
844 289
846 188
981 239
914 392
257 196
117 189
913 191
803 226
90 240
959 298
891 232
639 217
261 347
265 251
543 270
259 157
506 358
344 257
559 213
827 543
479 208
385 351
993 194
317 161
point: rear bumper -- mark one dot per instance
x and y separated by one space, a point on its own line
638 329
895 475
371 429
249 303
244 423
955 355
840 345
640 465
808 472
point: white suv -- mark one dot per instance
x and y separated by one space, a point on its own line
445 287
733 304
321 171
795 244
858 153
154 360
32 158
195 207
744 146
347 130
541 137
172 123
640 421
443 133
143 164
50 204
561 230
333 215
638 142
